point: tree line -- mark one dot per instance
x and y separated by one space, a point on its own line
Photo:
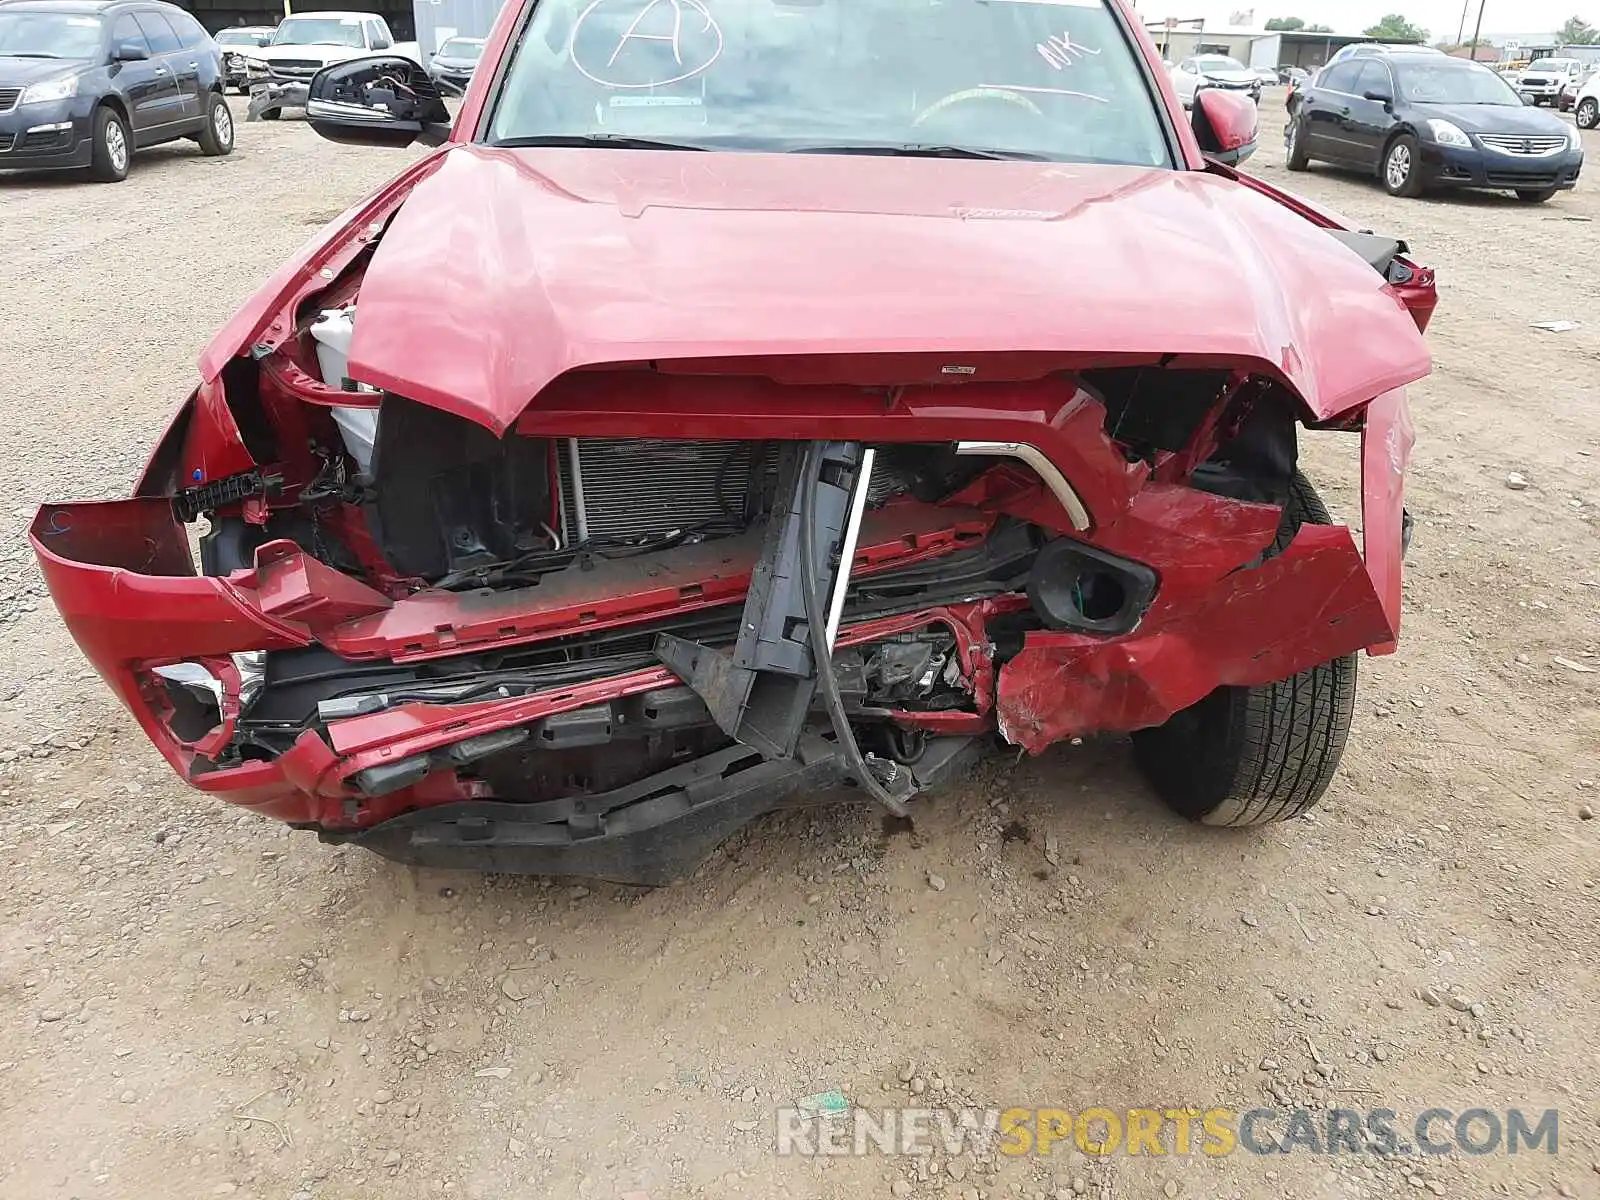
1576 31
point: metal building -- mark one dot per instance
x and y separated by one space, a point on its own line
219 14
437 20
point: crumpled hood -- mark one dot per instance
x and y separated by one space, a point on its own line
505 269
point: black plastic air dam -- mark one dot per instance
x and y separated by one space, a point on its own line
650 833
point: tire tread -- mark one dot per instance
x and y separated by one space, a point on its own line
1260 755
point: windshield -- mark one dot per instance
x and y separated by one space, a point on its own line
1559 66
1454 83
1216 62
1029 78
470 49
48 35
239 37
319 31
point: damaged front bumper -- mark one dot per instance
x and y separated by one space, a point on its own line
275 96
394 765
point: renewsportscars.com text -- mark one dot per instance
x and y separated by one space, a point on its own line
1213 1132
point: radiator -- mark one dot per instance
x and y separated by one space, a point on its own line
650 487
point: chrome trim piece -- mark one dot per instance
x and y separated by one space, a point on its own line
1047 471
338 110
847 552
1541 145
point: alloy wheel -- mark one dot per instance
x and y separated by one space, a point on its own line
117 146
1398 169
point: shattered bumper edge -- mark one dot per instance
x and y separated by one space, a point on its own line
1387 441
276 96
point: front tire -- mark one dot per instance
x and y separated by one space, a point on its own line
1258 755
1589 113
216 137
1295 152
1401 171
113 148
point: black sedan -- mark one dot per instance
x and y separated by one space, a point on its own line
85 83
1432 122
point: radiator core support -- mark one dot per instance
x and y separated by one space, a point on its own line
761 693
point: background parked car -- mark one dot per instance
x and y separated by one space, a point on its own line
1543 81
1444 123
455 61
84 83
1219 71
234 41
1586 108
1572 88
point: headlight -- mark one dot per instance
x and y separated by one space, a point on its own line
50 89
1574 139
256 66
1447 133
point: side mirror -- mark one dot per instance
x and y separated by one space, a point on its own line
384 100
130 51
1225 125
1380 97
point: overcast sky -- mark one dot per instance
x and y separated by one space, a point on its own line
1440 17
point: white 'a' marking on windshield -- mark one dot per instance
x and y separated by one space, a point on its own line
673 39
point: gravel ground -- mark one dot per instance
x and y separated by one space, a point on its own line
195 1002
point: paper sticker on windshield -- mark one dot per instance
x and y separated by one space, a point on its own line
642 44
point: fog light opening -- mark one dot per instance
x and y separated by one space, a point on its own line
194 695
1098 596
1079 588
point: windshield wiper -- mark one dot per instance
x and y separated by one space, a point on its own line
26 54
916 150
614 141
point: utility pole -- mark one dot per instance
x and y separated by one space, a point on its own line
1482 4
1461 29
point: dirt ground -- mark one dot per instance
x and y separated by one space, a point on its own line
195 1002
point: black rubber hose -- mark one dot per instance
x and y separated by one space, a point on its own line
817 628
